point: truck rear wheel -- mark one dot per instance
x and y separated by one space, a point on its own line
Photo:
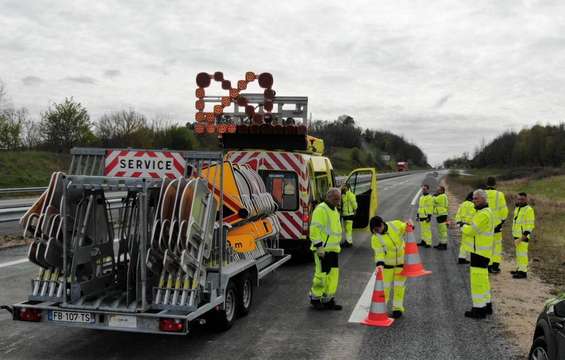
245 295
223 319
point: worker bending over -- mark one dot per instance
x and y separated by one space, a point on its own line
523 225
497 203
348 209
481 230
425 211
388 242
441 211
325 235
464 216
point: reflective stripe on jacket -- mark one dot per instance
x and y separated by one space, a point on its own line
440 205
389 247
425 206
481 230
349 204
325 228
524 221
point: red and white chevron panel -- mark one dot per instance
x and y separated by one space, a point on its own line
143 163
292 222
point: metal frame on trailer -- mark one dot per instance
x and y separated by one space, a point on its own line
146 318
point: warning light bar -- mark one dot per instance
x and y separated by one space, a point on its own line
252 113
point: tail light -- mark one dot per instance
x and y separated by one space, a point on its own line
211 128
250 76
200 105
171 325
29 315
200 93
200 128
241 85
305 218
232 128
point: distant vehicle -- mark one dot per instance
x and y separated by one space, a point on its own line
435 174
402 166
549 336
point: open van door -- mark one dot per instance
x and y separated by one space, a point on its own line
363 183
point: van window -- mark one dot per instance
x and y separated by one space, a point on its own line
283 186
322 185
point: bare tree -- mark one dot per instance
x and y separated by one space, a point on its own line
118 128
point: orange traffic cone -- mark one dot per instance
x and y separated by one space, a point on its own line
377 313
412 264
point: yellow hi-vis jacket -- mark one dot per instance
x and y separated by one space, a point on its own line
348 204
480 233
497 202
524 221
325 228
389 247
440 205
425 206
465 212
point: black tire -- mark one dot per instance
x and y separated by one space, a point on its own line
224 318
244 295
539 350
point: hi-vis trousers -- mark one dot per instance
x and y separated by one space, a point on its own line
326 277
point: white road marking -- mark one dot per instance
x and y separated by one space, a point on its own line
15 262
361 310
413 203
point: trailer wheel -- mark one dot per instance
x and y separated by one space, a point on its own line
245 295
223 319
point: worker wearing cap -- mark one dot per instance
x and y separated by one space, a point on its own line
481 230
523 225
388 245
464 215
441 211
348 209
497 202
425 211
325 236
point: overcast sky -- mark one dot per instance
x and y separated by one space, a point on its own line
445 74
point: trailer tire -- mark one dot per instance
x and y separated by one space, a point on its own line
223 319
245 294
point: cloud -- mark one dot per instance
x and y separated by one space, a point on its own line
31 80
112 73
81 79
392 65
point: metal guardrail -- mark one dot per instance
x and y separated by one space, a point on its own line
17 190
381 176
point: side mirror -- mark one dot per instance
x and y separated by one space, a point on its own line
559 309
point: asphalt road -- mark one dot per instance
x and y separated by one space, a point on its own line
282 324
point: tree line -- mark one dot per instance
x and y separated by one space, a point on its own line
371 147
538 146
68 124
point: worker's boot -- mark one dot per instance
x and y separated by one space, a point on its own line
421 243
476 313
331 305
520 275
317 304
443 246
396 314
488 309
463 261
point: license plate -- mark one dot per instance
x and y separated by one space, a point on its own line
72 316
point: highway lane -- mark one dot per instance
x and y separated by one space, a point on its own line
281 323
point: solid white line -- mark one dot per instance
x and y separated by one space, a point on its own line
413 203
361 310
15 262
